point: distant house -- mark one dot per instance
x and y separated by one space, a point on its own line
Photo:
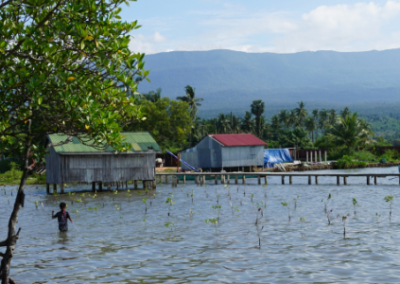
76 162
226 151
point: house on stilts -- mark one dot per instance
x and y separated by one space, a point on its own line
76 162
230 152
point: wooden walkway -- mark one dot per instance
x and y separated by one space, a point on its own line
226 178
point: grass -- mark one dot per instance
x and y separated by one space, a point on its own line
13 177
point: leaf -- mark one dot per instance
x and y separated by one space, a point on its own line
117 17
40 99
71 78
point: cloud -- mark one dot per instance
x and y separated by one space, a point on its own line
344 27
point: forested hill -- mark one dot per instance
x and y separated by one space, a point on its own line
369 82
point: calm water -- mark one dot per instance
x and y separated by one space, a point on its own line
108 245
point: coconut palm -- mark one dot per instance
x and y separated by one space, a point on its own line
247 123
348 132
257 108
224 123
345 112
315 115
301 113
152 96
323 119
283 117
332 116
311 126
191 99
235 124
293 118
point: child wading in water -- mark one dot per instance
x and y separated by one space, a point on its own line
62 217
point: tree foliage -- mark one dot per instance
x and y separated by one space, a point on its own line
65 67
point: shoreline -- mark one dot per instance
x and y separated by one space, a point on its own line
320 167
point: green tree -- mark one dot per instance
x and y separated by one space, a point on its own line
152 96
168 121
311 126
257 108
191 99
315 115
284 118
301 113
348 132
65 67
247 123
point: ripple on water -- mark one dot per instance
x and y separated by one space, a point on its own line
129 246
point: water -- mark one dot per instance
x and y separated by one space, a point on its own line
118 246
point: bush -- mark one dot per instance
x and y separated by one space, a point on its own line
346 162
363 156
5 165
382 161
13 174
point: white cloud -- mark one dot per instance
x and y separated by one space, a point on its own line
361 26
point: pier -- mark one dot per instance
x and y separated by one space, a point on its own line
262 177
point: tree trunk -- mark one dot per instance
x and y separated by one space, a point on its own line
12 237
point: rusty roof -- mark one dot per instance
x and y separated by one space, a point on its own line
232 140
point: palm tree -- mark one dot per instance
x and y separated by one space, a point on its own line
348 132
191 99
315 115
345 112
152 96
247 123
224 123
301 113
257 108
332 117
283 117
235 124
311 126
323 119
293 118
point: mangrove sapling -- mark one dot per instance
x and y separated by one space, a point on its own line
218 198
259 231
344 218
213 221
355 203
389 199
260 214
170 202
252 195
145 204
36 204
328 216
295 202
218 208
286 204
327 202
169 225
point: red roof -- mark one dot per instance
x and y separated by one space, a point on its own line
231 140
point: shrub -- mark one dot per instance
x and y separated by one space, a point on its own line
346 162
364 156
382 161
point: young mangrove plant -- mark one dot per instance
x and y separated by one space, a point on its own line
251 198
117 207
218 198
144 200
286 204
170 202
344 218
355 203
259 231
36 204
214 222
327 202
389 199
295 202
170 225
260 214
328 216
218 208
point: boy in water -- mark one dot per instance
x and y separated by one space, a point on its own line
62 217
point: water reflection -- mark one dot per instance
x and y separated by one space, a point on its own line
121 243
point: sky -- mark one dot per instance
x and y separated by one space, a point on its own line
279 26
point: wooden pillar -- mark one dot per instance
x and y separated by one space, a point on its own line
309 179
135 184
155 184
316 180
337 180
48 188
54 188
144 184
326 157
216 179
236 179
320 156
265 180
184 179
93 186
259 180
290 180
244 178
283 179
307 156
62 188
228 177
345 180
100 186
375 180
367 180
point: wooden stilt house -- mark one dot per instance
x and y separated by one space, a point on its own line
75 162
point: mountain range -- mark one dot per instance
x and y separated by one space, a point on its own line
229 81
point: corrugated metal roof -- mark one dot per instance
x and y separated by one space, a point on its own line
231 140
140 141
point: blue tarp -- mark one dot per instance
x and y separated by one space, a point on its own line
189 166
273 156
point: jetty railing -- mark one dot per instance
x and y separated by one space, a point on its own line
226 178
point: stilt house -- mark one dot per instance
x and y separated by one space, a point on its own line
233 152
76 162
